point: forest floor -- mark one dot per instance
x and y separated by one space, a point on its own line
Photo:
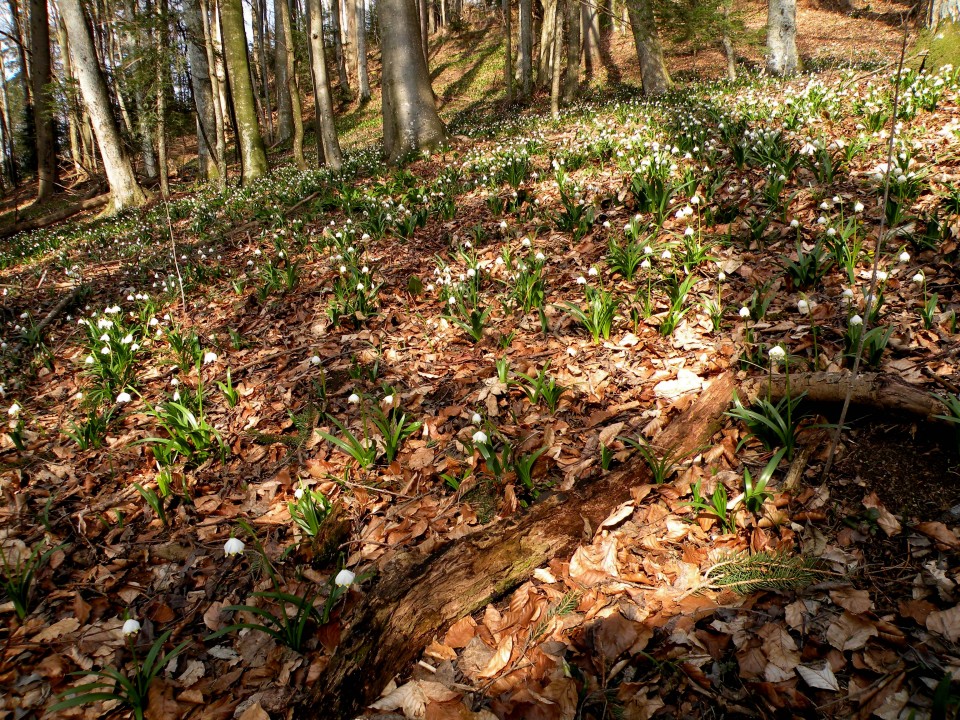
334 369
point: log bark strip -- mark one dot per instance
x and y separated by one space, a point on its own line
56 216
416 596
874 390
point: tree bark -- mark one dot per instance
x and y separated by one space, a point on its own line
547 29
782 37
125 191
555 63
572 80
525 49
424 31
207 155
42 102
217 89
508 51
350 39
653 69
328 147
293 89
163 43
253 156
410 119
284 72
363 76
335 15
591 35
728 51
415 597
73 117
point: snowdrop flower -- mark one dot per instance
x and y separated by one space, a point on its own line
209 357
744 312
803 307
131 628
479 437
14 410
777 353
904 257
856 320
123 397
353 399
476 419
233 546
344 578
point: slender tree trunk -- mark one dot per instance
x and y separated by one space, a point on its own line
653 69
253 156
350 39
328 147
10 158
73 117
217 91
508 63
525 49
335 14
363 80
424 32
410 120
124 189
223 87
728 51
284 56
290 71
555 65
590 21
42 102
262 65
782 37
572 81
547 28
163 42
207 156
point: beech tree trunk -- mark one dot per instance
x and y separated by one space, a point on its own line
350 39
216 87
163 39
42 102
363 77
653 69
591 35
328 147
125 191
547 29
335 15
293 89
782 37
508 50
525 49
555 64
73 116
416 596
572 80
284 71
253 156
207 155
410 119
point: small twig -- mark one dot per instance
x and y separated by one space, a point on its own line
952 387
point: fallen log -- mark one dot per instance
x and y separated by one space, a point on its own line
879 391
416 596
56 216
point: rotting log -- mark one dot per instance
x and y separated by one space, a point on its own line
879 391
56 216
415 596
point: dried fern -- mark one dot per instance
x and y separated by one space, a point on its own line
744 573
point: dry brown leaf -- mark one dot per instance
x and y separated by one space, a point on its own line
409 697
461 632
887 522
781 652
820 677
856 601
162 706
850 632
945 623
500 658
945 538
614 635
61 627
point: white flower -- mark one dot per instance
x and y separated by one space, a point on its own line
539 257
803 307
14 410
777 353
479 437
233 546
130 628
847 294
695 200
581 280
831 232
353 399
918 278
858 207
123 397
471 272
721 276
688 232
344 578
744 312
476 419
388 400
856 320
88 360
592 272
315 360
882 275
646 264
209 357
298 493
904 257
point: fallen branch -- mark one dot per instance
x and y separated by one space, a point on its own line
416 596
65 302
56 216
874 390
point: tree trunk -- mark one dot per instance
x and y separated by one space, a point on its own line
42 102
415 597
572 84
424 32
363 80
547 28
328 147
525 49
591 35
782 37
293 90
207 155
555 64
283 71
653 69
216 89
264 106
73 117
728 51
253 157
219 65
410 120
335 13
508 51
350 39
163 42
124 190
9 155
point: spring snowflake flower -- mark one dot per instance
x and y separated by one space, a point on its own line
858 207
777 353
646 264
14 410
592 272
744 312
353 399
803 307
344 578
388 400
298 493
209 357
479 437
904 257
314 359
539 257
918 278
847 294
233 546
476 419
581 280
666 255
856 320
131 628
